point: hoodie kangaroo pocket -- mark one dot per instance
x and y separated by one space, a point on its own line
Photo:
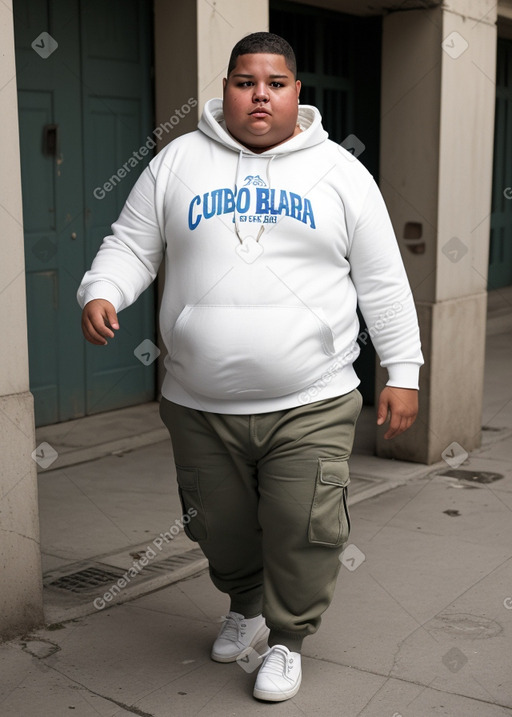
329 522
222 351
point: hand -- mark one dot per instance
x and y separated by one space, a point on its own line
98 319
401 406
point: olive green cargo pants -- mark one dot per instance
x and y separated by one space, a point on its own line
270 491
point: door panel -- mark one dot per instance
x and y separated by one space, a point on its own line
117 122
42 304
49 93
96 87
41 249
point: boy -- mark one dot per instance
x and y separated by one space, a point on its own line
271 234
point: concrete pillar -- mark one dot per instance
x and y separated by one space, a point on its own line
437 126
21 606
192 45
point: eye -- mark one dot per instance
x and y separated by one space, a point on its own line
276 84
246 83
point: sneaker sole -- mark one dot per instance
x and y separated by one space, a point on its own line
277 696
263 632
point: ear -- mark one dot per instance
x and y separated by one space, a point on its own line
298 85
224 83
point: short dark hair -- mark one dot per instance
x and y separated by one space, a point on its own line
265 42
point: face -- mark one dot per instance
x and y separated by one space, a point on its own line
261 101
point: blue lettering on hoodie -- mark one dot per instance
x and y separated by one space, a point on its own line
268 201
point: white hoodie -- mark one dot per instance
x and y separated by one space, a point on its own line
266 256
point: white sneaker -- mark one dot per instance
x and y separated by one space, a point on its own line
280 675
237 637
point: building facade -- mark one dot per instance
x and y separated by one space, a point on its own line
419 90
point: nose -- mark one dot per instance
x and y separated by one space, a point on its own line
260 93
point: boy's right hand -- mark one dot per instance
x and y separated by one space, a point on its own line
98 319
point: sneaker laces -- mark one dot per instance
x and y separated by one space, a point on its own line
276 660
231 628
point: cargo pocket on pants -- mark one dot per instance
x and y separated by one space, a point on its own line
329 522
190 496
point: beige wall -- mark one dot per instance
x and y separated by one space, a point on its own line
436 161
192 45
20 564
219 26
468 95
410 135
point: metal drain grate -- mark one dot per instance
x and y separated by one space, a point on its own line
85 580
167 565
473 476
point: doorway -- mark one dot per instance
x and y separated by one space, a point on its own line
85 108
339 65
500 248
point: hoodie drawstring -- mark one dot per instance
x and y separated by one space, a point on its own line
237 173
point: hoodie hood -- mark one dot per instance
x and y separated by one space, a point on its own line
213 125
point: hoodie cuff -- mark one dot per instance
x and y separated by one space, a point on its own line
403 375
100 290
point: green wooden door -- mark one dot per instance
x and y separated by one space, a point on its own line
500 249
83 75
338 60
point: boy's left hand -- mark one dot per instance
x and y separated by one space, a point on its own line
401 406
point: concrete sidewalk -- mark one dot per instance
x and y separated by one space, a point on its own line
421 622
